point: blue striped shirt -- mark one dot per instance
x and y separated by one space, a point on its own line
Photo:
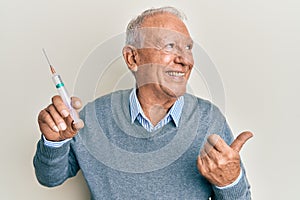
136 112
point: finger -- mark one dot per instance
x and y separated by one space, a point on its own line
238 143
56 117
200 164
75 126
203 164
79 125
76 103
45 120
48 133
202 153
217 142
60 106
209 150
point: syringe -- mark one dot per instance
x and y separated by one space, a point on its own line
62 91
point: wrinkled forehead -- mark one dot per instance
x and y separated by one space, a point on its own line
147 37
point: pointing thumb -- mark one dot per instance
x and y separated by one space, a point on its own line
238 143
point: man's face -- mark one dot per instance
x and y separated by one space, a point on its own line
165 58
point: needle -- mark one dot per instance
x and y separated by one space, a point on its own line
51 67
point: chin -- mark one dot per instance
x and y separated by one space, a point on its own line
176 92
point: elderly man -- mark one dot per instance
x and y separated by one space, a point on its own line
154 141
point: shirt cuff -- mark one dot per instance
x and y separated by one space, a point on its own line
55 144
232 184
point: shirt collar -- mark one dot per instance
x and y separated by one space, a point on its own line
136 109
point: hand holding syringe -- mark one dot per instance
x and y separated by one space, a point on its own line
60 116
62 91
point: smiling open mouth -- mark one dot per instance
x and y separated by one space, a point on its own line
176 74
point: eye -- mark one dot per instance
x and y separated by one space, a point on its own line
169 46
189 47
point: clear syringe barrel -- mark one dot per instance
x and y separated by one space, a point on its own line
63 93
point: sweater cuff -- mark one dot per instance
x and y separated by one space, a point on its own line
50 152
239 191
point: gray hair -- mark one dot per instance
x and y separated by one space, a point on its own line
133 26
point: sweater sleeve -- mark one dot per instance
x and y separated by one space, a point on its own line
241 190
53 165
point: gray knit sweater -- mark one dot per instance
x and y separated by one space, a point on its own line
121 160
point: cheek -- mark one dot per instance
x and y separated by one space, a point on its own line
166 58
160 58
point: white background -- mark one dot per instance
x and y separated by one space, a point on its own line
254 44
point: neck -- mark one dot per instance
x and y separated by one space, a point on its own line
155 106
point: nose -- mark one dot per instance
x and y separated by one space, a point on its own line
184 60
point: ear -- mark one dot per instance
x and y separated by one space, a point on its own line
130 56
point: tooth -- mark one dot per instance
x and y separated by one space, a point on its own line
177 74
